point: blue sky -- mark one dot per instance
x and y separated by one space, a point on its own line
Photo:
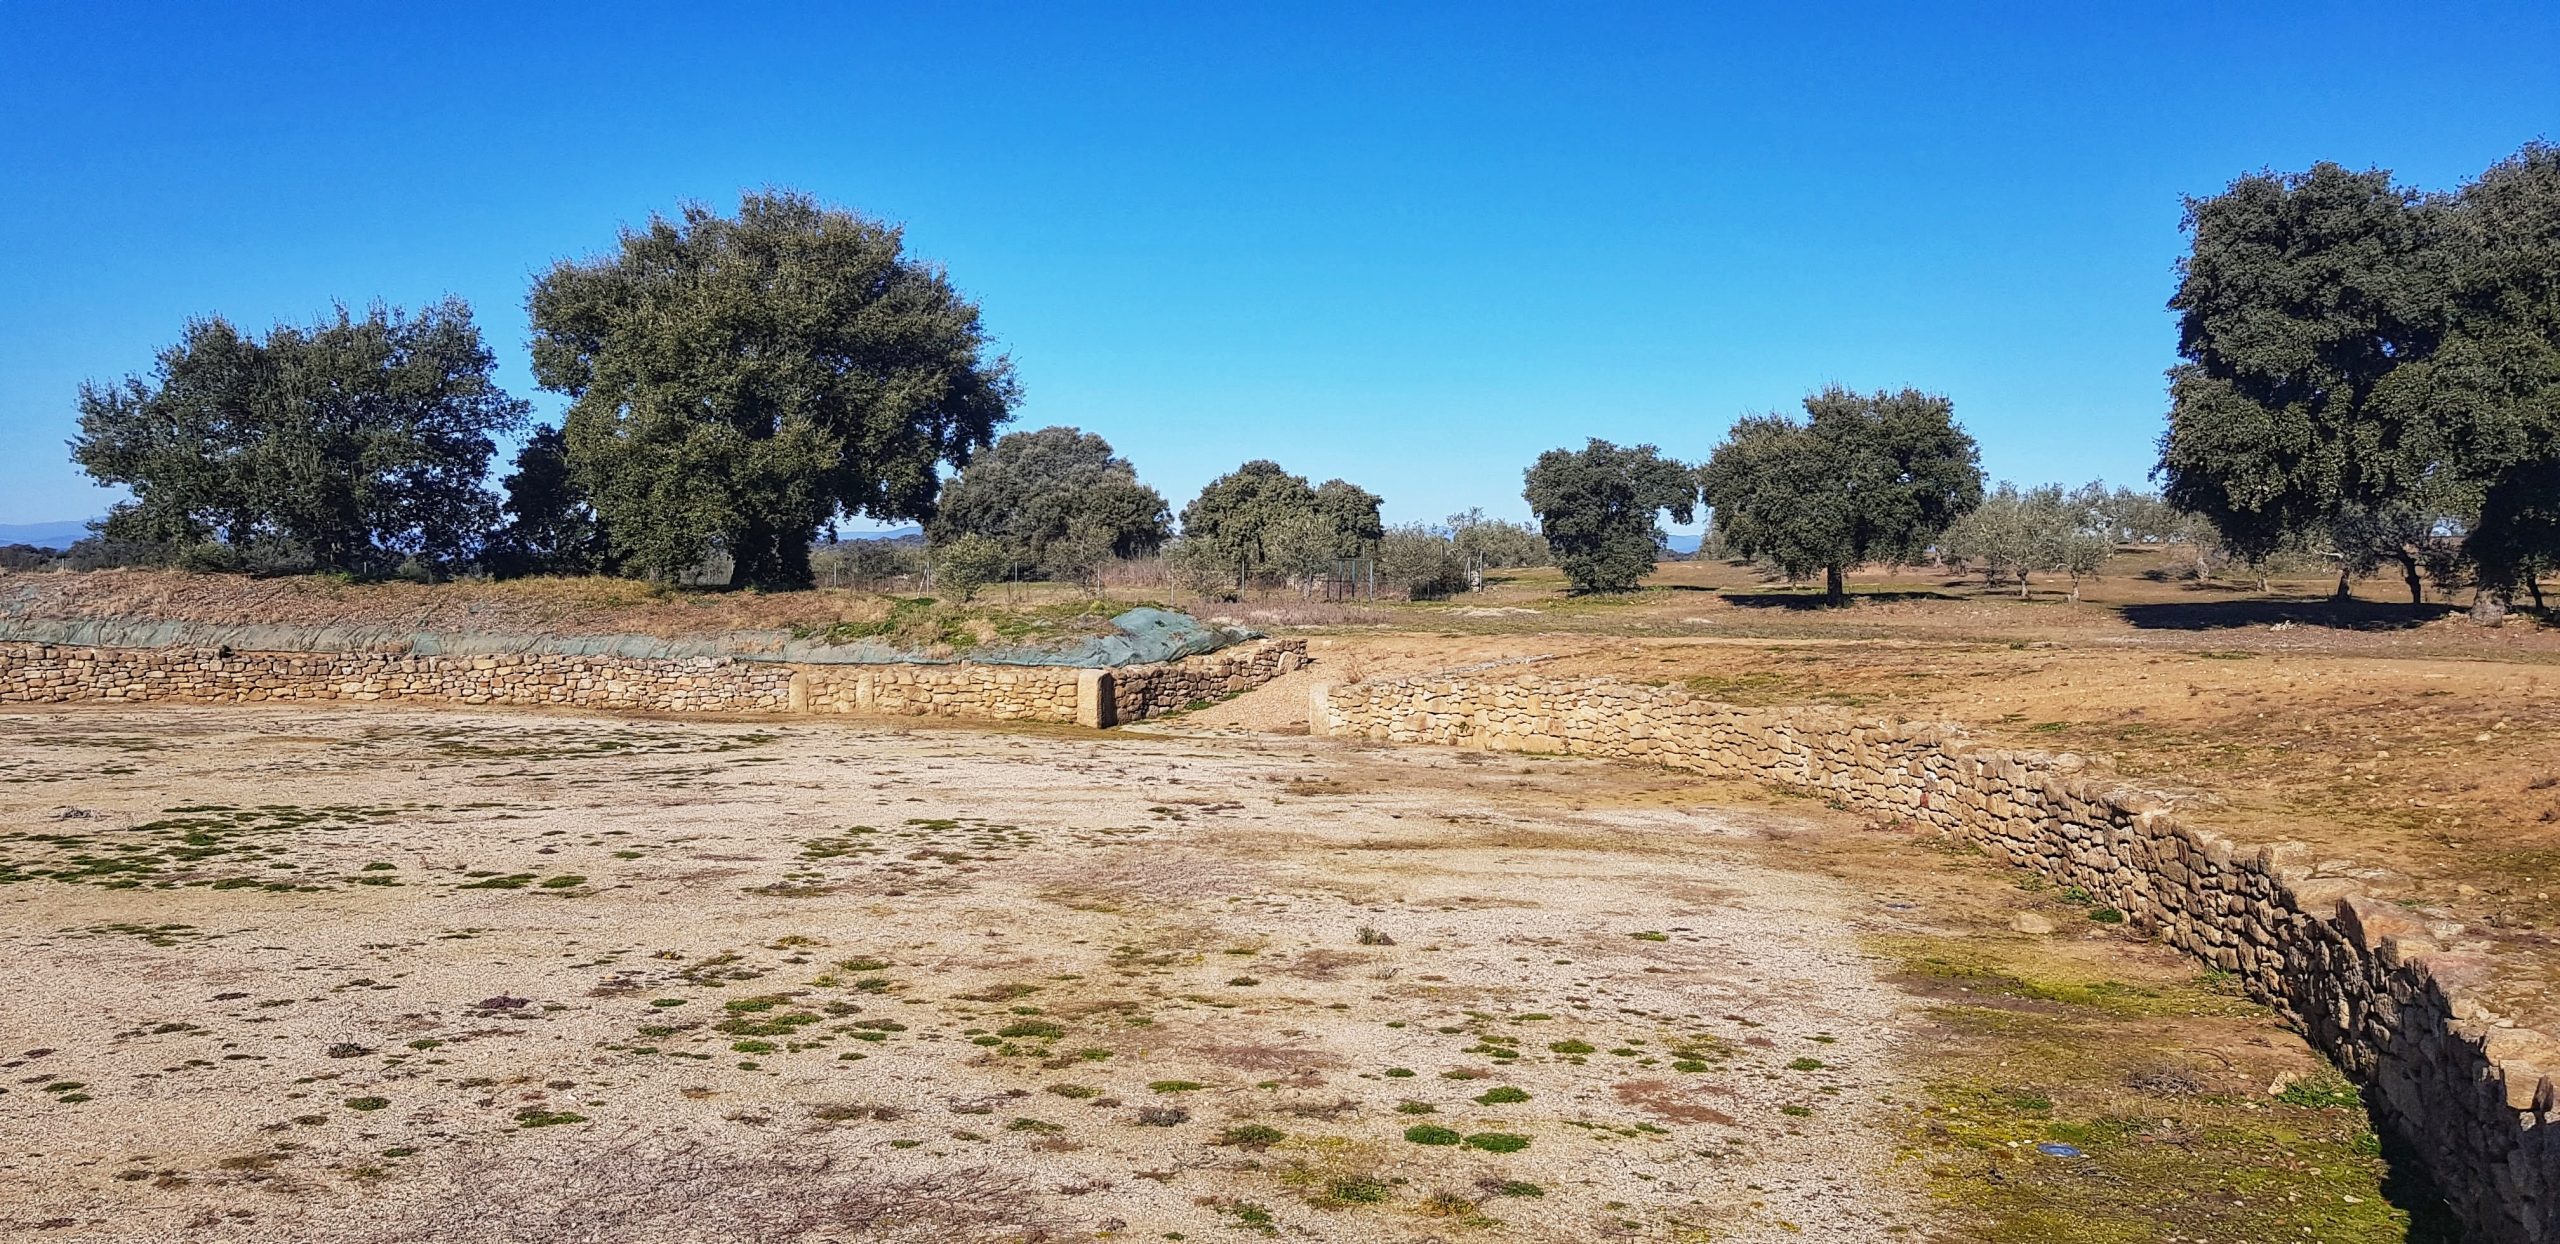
1409 245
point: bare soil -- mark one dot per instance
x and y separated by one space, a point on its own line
2422 747
351 975
391 975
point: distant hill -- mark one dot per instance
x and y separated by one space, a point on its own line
1683 545
43 535
909 534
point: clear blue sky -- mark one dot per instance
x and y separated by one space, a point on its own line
1410 245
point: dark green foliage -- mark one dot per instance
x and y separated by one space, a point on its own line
2502 356
1430 1134
2375 368
1596 508
550 528
352 445
1260 517
2300 300
737 383
2518 537
1254 1136
1235 511
1350 513
1865 478
1058 501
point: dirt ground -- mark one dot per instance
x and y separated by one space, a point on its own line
2422 747
390 975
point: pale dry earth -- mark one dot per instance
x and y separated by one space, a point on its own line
394 975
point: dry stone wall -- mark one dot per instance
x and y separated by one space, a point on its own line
2381 988
35 673
1140 691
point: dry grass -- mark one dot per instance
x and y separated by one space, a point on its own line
2404 738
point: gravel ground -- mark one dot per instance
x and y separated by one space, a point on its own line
378 975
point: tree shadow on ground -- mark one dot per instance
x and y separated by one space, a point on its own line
2349 615
1816 600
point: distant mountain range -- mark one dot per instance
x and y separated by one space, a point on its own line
43 535
910 534
1682 544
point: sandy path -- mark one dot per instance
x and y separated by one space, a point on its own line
561 979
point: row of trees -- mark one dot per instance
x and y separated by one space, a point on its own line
2371 374
2369 370
1864 477
737 386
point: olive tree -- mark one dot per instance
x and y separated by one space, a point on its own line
968 563
2016 534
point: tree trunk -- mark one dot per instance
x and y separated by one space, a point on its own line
2346 586
2533 587
2488 607
2409 572
1833 590
767 557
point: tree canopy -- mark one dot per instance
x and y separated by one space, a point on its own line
1058 502
2297 304
550 527
1865 478
356 444
2018 533
1260 517
2366 365
1493 543
1597 508
737 383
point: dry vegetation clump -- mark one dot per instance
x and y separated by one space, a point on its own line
638 1189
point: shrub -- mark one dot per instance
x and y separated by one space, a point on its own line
1254 1136
967 564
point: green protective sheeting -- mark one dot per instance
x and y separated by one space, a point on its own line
1142 636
